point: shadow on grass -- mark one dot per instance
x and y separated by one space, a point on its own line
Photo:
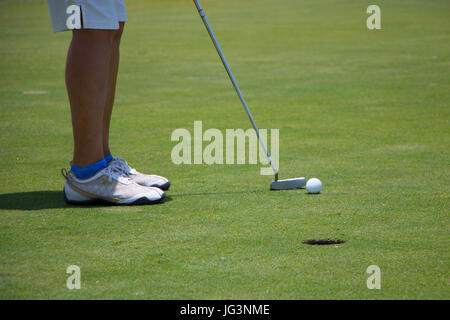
35 200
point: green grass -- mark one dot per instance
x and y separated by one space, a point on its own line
367 112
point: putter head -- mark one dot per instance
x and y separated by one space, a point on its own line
288 184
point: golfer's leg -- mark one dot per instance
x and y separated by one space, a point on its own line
87 72
111 89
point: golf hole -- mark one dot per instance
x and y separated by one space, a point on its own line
323 242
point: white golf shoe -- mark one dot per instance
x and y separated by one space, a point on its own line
110 185
145 180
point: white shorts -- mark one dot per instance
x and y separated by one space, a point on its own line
87 14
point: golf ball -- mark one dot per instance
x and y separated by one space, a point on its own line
314 185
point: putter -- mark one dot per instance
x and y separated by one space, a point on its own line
276 184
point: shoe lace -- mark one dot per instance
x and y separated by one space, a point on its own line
122 166
115 173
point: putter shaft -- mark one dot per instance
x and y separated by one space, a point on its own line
235 85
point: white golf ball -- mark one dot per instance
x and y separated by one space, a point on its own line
314 185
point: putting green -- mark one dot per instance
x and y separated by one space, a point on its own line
366 111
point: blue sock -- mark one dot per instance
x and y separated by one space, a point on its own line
88 171
109 158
